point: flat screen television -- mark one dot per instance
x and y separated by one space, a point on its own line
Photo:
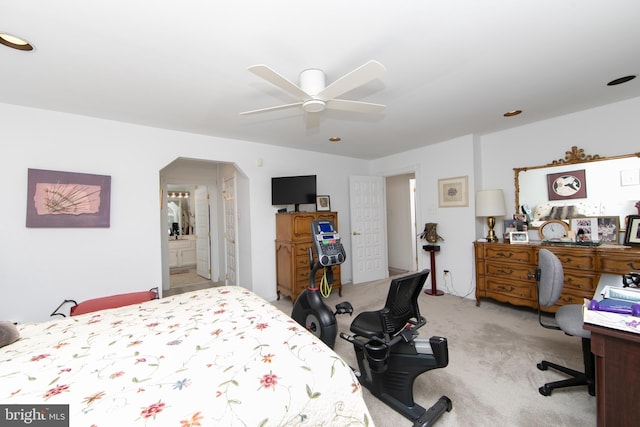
293 190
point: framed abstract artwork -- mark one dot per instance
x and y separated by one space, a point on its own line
567 185
453 192
67 199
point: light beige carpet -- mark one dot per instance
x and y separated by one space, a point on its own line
492 377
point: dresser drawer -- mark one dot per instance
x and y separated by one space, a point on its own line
619 263
585 283
511 288
302 262
578 259
511 253
512 271
573 296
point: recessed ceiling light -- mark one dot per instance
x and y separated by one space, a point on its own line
512 113
335 139
14 42
621 80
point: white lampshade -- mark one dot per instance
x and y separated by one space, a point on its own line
490 203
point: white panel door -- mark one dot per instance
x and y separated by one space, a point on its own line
230 230
203 236
368 228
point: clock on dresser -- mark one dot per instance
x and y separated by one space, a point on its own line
553 229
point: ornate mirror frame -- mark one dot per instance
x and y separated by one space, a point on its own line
575 156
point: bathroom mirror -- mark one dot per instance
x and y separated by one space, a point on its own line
179 217
581 184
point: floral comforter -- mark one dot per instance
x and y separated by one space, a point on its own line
216 357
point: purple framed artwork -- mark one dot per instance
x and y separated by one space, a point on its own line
67 199
567 185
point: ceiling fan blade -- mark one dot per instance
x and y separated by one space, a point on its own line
358 77
278 107
277 80
356 106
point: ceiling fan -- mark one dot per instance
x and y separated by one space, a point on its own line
314 97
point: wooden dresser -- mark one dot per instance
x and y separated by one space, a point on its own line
293 240
504 272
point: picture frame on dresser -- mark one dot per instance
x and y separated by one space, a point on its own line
603 229
632 235
519 237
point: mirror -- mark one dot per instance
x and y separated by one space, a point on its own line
180 219
579 185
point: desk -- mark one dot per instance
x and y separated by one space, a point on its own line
617 357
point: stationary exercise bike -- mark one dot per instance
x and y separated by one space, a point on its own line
389 354
309 310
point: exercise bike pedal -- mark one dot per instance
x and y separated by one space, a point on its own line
344 307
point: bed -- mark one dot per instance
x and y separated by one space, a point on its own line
219 356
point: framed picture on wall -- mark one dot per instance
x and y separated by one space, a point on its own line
323 203
67 199
453 192
567 185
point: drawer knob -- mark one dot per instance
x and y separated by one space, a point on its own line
502 254
633 266
503 271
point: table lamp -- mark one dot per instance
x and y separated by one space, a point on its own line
490 204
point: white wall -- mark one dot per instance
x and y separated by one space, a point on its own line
43 266
456 225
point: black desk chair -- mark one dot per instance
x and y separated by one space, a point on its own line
550 280
390 355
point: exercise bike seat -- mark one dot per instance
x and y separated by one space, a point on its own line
367 324
400 310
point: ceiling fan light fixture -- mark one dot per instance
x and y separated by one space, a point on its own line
313 105
14 42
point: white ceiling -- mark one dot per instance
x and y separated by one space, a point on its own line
453 67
